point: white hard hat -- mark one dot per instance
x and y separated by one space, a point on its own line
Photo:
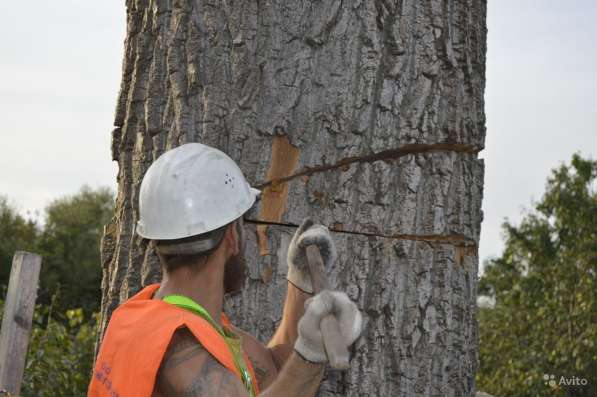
190 190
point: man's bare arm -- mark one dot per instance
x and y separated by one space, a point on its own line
300 287
189 370
298 378
281 345
266 370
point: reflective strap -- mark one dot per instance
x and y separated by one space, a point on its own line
187 303
233 343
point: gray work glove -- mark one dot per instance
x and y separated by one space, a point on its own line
309 343
307 234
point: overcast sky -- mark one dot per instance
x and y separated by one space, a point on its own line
60 72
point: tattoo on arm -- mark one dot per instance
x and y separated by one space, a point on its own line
189 370
261 372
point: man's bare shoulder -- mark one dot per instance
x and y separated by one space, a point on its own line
264 366
187 369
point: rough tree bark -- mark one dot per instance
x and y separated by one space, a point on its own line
365 115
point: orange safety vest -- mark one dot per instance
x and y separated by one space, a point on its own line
137 338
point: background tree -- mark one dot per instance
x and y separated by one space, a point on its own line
545 316
366 116
16 233
68 240
60 354
69 244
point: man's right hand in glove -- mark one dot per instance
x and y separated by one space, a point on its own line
302 372
310 340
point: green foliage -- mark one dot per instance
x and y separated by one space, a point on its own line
60 355
68 243
17 234
545 316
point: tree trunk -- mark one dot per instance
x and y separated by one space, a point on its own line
366 116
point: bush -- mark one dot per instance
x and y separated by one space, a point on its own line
60 355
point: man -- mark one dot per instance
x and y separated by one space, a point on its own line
171 339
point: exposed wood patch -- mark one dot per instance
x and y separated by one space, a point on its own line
262 240
284 160
266 274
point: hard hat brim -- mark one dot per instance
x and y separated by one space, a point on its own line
256 192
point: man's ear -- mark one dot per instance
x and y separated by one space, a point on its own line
231 238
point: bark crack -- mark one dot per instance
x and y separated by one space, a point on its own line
455 239
386 155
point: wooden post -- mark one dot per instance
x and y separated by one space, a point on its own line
16 323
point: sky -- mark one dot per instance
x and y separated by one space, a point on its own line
60 65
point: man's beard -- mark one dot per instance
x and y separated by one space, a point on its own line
234 273
234 270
